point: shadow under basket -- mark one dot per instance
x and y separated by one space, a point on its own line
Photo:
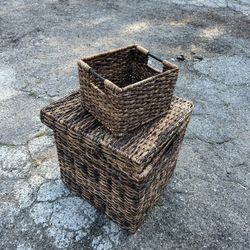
122 177
122 91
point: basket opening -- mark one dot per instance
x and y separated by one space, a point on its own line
123 68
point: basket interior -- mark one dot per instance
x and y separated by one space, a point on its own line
123 67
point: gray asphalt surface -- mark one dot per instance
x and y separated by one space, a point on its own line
206 205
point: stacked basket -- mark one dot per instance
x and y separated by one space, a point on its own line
118 137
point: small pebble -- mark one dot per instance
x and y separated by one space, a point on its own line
181 57
200 58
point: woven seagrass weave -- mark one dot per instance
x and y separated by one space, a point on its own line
122 177
129 93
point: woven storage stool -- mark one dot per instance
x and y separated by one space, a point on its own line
122 91
123 177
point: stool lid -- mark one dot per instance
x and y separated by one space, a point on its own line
138 147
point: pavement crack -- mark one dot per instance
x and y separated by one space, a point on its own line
214 142
50 95
240 165
4 144
17 39
236 182
200 114
33 161
182 192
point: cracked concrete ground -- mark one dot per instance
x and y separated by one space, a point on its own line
206 204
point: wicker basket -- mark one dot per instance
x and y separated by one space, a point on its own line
122 91
122 177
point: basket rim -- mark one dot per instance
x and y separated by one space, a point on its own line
111 51
130 86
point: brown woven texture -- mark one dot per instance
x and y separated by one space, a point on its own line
133 92
122 177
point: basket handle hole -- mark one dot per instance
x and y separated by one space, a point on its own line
155 64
